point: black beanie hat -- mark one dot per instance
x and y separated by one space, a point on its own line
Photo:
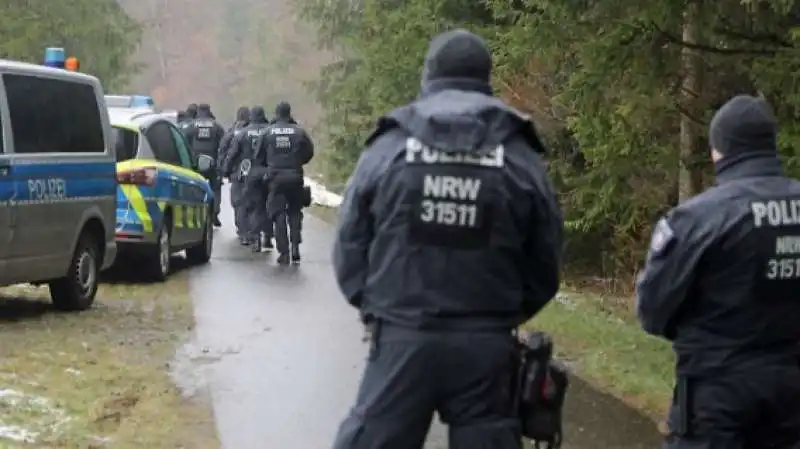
283 110
458 54
745 123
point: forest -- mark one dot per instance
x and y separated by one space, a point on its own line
105 45
623 92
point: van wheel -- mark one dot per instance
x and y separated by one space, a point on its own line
201 254
157 259
76 290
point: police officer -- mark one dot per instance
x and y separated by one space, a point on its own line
285 149
204 134
253 216
721 282
236 190
449 238
237 165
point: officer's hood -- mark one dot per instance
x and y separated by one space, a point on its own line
257 115
456 110
463 121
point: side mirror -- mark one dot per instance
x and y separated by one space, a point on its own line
205 163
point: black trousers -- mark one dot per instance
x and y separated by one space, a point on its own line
410 374
748 410
285 207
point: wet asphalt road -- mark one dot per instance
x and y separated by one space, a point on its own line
283 354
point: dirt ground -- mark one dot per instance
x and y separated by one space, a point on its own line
99 378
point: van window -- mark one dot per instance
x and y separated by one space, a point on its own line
126 142
53 115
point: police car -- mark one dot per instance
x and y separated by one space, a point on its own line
57 180
164 203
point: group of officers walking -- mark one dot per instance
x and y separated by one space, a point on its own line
450 237
263 161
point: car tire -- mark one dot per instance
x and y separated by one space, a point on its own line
76 291
158 256
201 254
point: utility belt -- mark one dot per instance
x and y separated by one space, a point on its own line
541 388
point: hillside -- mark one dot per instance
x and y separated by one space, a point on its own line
227 53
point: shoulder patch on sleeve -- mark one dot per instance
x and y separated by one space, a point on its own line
663 236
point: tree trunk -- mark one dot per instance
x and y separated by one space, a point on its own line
690 176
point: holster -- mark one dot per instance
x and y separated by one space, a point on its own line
306 196
541 388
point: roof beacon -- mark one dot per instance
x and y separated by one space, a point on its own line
54 57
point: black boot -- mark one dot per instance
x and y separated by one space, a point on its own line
217 223
295 253
283 259
255 246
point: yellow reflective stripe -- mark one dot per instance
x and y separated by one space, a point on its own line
139 205
162 205
190 220
176 169
178 211
201 216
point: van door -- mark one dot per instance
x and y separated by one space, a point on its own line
7 192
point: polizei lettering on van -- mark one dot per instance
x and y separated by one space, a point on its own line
52 189
784 216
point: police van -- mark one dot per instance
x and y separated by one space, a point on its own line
57 182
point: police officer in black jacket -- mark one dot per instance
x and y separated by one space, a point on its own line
449 238
284 150
204 134
721 282
254 212
236 190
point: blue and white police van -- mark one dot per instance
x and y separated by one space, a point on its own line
58 182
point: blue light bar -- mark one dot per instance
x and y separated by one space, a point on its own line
142 101
54 57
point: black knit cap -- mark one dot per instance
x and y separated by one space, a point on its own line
743 124
257 114
458 54
283 110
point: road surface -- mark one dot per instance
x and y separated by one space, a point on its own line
282 355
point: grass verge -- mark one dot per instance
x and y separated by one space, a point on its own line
605 346
610 351
98 378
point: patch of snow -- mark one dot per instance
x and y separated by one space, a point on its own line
51 419
321 195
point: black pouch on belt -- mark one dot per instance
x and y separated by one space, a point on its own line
541 390
680 414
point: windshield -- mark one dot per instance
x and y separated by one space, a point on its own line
126 143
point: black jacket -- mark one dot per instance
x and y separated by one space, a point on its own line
722 277
449 220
